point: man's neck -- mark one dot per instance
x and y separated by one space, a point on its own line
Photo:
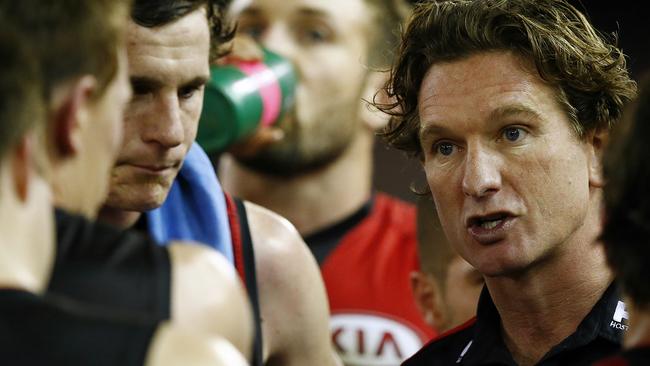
545 305
119 218
311 201
26 254
68 194
24 266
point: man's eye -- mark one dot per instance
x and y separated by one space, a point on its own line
188 92
445 148
254 32
140 89
315 36
514 134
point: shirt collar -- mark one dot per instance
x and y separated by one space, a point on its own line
607 320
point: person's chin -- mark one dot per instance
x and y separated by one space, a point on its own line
153 197
501 260
140 197
510 267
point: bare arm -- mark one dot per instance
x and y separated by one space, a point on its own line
208 297
171 346
294 306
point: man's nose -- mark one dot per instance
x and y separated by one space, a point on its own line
482 175
166 126
278 38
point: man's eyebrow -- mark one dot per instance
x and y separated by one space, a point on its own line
251 11
514 110
304 11
144 82
314 12
432 130
147 83
196 82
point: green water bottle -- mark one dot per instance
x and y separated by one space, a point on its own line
242 96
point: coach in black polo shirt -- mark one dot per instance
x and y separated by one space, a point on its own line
508 104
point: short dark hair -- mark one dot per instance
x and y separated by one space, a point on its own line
587 71
626 233
155 13
71 37
21 101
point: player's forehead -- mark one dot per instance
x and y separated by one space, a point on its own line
341 12
173 53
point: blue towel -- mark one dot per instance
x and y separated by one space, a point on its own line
195 208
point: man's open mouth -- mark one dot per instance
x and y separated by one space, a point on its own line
489 222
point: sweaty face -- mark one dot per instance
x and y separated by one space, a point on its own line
327 41
510 179
168 67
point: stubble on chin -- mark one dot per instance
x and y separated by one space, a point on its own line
141 195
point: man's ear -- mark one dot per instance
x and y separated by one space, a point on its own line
597 142
68 114
21 167
373 118
428 298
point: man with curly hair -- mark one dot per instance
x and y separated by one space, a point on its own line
508 103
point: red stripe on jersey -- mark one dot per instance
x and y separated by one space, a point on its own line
235 233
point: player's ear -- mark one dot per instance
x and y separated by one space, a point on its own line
428 298
69 110
596 142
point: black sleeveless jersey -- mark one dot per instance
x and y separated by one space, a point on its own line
102 265
244 258
127 271
47 330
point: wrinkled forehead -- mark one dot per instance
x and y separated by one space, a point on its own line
179 50
486 76
488 87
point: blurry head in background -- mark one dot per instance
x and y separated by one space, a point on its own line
80 48
627 205
26 255
447 287
170 46
336 47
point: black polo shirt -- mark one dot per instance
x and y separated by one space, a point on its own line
479 341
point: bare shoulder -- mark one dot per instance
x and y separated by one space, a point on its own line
173 346
291 292
208 296
274 237
198 258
